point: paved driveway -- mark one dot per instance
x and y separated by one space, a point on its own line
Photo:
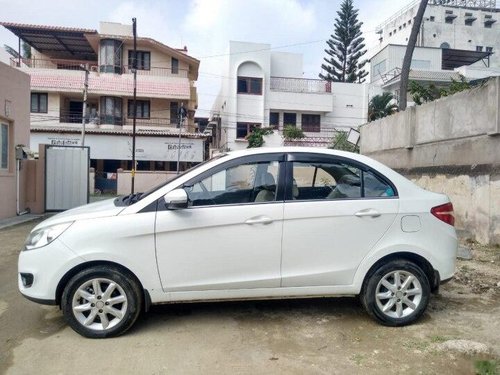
321 336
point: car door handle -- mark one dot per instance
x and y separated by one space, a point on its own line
368 212
259 220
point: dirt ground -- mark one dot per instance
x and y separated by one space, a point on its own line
320 336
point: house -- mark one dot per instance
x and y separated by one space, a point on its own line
265 88
468 25
166 80
14 131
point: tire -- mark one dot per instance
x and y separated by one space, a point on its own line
389 305
108 313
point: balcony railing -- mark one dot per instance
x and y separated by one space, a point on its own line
300 85
93 66
75 117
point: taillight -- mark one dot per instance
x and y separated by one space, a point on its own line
444 213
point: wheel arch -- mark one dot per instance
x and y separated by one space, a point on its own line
420 261
80 267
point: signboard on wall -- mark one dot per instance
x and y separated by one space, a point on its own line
119 147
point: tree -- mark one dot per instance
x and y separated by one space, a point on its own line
345 48
256 137
381 106
291 132
26 50
405 70
427 93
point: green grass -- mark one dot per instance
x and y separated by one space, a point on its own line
438 339
486 367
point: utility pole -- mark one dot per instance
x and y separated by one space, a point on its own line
182 114
134 70
84 110
405 70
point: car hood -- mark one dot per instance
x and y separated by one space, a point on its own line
102 208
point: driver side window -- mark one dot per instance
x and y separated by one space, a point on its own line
244 183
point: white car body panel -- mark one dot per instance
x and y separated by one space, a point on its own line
324 242
206 248
209 253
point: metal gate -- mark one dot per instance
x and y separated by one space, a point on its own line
66 177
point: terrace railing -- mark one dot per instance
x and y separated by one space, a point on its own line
300 85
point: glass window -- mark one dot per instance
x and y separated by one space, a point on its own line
111 56
245 183
249 85
244 128
142 108
143 60
4 146
289 119
311 123
174 113
274 119
175 66
376 187
38 103
111 110
336 180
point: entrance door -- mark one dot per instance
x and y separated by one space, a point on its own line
75 112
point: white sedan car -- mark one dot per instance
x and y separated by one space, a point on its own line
257 224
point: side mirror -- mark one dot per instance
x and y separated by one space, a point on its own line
176 199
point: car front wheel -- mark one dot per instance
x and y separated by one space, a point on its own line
101 302
397 293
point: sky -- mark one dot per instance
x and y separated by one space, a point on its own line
207 26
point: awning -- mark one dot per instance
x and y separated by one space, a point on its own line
455 58
56 42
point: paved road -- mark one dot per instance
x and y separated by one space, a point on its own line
321 336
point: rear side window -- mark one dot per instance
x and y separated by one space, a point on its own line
319 180
375 186
315 177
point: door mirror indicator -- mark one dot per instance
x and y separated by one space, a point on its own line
176 199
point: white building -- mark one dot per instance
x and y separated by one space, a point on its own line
470 25
165 81
262 88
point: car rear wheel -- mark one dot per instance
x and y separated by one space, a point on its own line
101 302
397 293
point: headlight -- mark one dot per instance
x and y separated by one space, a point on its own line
44 236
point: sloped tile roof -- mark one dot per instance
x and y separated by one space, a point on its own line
139 132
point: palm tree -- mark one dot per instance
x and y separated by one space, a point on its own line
381 106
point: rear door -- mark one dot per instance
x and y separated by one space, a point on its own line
335 211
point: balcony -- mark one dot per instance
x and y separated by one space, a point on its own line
68 76
93 66
296 94
300 85
67 120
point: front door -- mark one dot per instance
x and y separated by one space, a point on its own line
230 236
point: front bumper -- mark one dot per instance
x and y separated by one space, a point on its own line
47 265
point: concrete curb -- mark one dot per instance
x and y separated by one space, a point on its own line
16 220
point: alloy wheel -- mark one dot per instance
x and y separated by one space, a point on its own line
398 294
99 304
